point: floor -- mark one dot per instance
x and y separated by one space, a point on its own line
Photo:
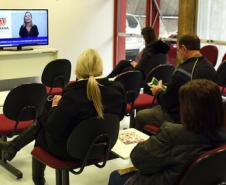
90 176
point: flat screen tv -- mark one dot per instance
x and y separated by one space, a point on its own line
23 27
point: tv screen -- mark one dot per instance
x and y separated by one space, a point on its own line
23 27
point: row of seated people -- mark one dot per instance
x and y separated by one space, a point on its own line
188 113
90 97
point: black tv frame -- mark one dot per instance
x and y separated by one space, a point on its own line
21 47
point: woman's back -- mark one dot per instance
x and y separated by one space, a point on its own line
75 107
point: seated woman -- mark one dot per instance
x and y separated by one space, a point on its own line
88 97
163 157
152 55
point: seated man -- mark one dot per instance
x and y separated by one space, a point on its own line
192 66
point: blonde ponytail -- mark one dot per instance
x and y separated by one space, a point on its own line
89 65
93 94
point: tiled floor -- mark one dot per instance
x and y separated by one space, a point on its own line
90 176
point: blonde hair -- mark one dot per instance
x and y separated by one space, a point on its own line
88 66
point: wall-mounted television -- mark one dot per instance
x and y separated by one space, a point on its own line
23 27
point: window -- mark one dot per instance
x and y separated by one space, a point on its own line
210 25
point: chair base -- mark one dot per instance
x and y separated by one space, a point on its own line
11 169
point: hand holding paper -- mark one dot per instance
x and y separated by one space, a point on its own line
156 88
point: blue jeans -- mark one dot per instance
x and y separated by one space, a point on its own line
117 179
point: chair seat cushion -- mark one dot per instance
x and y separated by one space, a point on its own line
52 161
151 128
143 101
224 90
55 91
7 125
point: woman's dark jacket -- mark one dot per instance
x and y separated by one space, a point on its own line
163 157
75 107
153 55
32 33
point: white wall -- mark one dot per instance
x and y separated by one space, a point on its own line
75 25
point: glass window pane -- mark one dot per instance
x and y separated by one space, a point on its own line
131 20
168 18
211 25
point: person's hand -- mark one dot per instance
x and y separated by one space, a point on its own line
156 88
56 100
133 63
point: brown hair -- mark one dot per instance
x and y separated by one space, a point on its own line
89 65
190 41
201 107
149 35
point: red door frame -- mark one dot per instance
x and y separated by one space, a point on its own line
152 16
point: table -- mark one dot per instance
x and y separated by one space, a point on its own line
127 140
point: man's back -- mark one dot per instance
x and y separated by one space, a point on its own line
192 68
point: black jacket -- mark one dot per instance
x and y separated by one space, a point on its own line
163 157
32 33
169 99
153 55
75 107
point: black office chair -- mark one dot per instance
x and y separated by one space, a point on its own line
56 74
161 72
131 81
208 169
221 76
89 143
21 107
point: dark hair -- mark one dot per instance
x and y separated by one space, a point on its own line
190 41
149 35
201 107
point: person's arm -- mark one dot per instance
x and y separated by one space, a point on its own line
153 154
60 118
21 32
169 98
35 31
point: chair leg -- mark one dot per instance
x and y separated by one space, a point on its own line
65 177
132 116
58 177
8 166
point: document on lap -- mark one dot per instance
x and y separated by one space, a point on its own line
127 140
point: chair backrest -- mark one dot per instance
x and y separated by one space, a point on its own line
131 80
210 52
92 133
223 58
161 72
172 55
57 73
221 75
208 169
25 102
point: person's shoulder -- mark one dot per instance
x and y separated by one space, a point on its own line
171 127
176 131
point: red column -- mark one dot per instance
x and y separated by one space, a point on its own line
119 26
148 12
155 15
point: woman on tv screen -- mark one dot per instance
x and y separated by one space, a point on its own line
28 29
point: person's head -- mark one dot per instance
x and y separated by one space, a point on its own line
188 45
149 35
201 107
27 18
88 66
